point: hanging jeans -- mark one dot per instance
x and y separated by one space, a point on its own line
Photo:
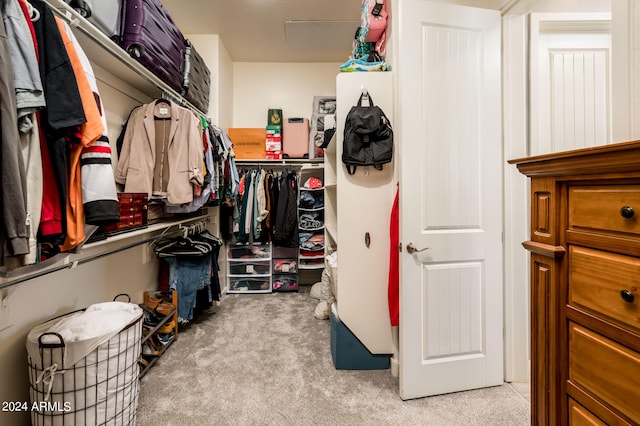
186 276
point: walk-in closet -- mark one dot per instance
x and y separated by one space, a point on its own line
297 213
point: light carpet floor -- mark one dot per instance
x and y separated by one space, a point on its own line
263 359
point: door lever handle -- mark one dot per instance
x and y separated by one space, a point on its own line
411 249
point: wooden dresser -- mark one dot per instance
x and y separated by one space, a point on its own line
585 285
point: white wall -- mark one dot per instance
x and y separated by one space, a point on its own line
289 86
215 54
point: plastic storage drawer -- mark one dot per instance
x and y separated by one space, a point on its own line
252 267
285 282
249 285
250 252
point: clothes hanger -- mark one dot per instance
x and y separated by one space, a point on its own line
34 14
162 116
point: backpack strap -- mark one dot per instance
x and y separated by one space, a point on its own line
365 95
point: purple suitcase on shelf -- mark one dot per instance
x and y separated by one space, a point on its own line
150 36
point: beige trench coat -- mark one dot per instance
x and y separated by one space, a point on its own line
186 154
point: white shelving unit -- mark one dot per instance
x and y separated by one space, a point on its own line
311 258
357 214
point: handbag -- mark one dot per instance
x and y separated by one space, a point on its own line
374 19
368 136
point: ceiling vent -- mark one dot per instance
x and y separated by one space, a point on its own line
320 35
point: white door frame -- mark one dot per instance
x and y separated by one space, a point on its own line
516 202
625 39
516 100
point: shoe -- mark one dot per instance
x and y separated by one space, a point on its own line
151 318
152 302
165 308
164 339
168 327
148 350
154 343
356 65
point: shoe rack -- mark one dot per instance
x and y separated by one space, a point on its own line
156 339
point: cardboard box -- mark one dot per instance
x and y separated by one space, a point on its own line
273 146
274 155
248 143
274 130
274 117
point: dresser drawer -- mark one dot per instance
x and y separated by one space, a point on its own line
596 279
601 208
605 369
580 416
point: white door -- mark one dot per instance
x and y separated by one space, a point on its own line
449 99
570 81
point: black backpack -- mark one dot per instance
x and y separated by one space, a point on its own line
368 137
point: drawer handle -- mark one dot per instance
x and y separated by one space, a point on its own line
627 212
627 296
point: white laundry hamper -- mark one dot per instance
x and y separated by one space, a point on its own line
83 366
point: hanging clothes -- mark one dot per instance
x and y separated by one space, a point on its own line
27 83
192 270
90 131
29 98
184 157
285 232
59 123
208 188
394 263
99 193
14 205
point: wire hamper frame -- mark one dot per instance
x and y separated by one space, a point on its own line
100 389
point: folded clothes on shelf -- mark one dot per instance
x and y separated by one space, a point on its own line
311 220
311 200
311 241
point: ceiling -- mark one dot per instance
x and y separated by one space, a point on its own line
281 30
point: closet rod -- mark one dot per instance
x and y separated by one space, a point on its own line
75 20
72 264
193 227
280 163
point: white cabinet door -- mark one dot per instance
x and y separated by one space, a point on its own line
448 95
